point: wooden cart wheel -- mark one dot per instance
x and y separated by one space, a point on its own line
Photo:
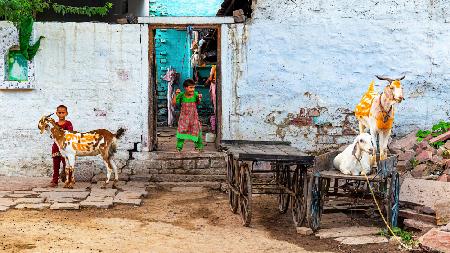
298 201
245 196
315 203
284 180
232 183
392 205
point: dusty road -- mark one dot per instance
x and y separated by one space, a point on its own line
168 222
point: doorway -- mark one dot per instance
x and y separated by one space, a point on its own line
178 53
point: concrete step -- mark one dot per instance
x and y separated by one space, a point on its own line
209 171
177 178
177 186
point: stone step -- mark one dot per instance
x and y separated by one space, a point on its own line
209 171
200 163
178 178
168 155
177 185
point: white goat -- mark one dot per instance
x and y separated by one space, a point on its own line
356 158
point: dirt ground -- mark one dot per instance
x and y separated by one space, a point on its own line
170 222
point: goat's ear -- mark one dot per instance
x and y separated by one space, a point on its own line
355 149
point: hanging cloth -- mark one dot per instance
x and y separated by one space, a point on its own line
170 76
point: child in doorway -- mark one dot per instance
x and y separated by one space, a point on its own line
189 126
61 112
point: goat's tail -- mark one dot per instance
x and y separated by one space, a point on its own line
113 148
120 132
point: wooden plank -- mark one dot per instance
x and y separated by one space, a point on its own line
186 20
218 112
152 109
337 174
242 142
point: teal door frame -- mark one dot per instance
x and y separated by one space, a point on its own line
153 96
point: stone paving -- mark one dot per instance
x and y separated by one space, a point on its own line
32 193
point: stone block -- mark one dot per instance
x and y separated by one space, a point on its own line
424 192
408 155
62 200
359 240
442 212
172 164
103 192
444 178
65 206
420 170
22 195
424 156
189 164
405 143
7 202
98 198
3 208
404 166
125 201
38 206
4 193
218 163
131 194
304 231
29 200
99 204
436 240
51 196
442 137
202 163
411 214
347 231
419 225
447 145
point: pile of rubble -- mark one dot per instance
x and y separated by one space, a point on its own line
421 159
425 187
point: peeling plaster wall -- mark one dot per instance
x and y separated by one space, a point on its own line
300 67
100 71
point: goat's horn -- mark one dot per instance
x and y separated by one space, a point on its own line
401 78
49 115
384 78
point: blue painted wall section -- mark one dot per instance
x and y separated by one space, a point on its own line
180 8
172 49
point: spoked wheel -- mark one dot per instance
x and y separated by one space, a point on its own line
317 185
298 201
245 197
232 184
393 201
284 180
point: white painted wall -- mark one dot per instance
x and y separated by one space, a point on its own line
100 71
303 54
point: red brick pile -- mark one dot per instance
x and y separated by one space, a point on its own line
423 160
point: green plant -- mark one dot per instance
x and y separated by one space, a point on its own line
414 162
436 130
22 14
406 237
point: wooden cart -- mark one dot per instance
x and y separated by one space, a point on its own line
286 178
384 182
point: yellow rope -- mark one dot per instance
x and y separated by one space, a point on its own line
381 213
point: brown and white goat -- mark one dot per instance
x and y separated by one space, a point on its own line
72 144
376 112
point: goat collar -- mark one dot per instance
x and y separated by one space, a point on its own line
386 113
